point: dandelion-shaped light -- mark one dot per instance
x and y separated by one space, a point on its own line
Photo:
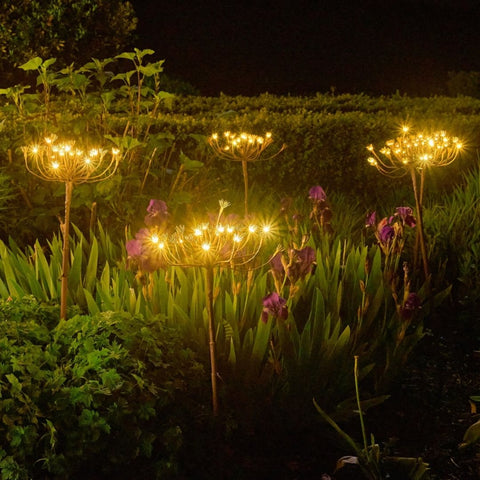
219 243
70 164
242 147
413 154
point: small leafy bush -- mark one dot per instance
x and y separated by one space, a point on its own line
94 394
452 225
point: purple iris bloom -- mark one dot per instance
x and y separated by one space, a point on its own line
303 263
157 213
274 305
406 214
371 219
157 206
134 248
411 304
317 194
386 234
276 264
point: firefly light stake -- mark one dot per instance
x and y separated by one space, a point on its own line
71 164
413 154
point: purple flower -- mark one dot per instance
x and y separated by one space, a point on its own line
276 264
157 213
386 234
141 254
406 214
134 248
274 305
302 263
157 206
317 194
371 219
410 305
143 235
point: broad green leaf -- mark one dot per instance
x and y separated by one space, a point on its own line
190 165
32 64
471 435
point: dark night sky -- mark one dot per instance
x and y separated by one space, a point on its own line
303 47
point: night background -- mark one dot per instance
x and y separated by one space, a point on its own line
303 47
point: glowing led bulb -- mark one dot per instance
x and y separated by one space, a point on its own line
155 239
206 247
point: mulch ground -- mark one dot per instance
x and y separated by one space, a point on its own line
426 416
430 408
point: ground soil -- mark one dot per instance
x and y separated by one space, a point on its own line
430 408
426 415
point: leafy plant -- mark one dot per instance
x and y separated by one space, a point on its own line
114 383
455 240
371 461
74 31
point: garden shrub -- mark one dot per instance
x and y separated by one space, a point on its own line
94 395
455 239
326 137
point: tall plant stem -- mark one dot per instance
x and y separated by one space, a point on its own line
245 183
359 405
65 251
420 232
211 334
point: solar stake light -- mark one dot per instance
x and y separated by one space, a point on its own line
222 243
413 154
71 164
242 147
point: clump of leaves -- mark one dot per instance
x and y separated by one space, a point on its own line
109 383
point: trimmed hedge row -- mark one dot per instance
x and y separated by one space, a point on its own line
326 137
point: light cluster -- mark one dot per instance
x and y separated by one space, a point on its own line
240 146
65 162
219 243
415 151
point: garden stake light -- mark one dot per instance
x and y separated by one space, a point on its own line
413 154
242 147
217 244
72 165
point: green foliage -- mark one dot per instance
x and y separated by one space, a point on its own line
122 100
464 83
344 309
113 383
70 31
117 101
372 462
451 225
